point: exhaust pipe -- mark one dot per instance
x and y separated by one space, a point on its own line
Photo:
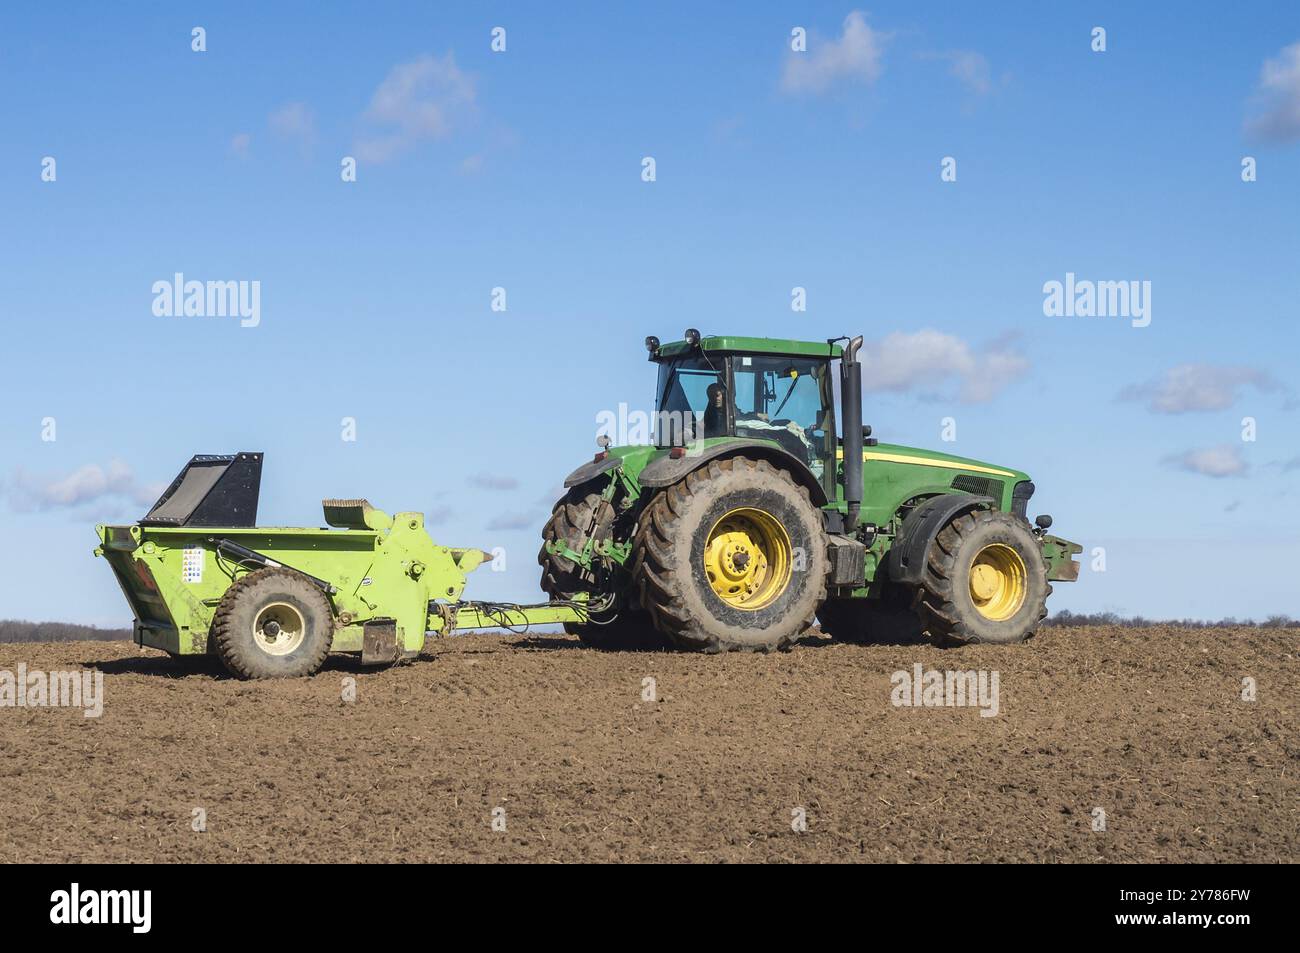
851 444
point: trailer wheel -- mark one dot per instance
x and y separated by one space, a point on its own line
985 580
273 623
732 558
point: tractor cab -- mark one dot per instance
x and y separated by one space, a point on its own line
749 388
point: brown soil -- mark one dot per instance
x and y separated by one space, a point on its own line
1147 724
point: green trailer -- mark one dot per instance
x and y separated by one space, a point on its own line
202 578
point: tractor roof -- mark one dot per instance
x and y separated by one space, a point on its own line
744 345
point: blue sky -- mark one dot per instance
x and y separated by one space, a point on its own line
774 169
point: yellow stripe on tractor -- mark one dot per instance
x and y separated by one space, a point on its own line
926 462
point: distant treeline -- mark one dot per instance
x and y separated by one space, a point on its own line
1067 618
12 630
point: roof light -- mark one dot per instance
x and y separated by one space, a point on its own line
692 337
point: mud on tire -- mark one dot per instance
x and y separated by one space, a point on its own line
671 541
273 623
579 513
945 602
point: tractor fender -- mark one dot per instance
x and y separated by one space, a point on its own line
906 560
589 471
666 471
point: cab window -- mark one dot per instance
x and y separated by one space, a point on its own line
787 400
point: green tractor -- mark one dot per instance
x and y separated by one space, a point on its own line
750 516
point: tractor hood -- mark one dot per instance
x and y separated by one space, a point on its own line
913 456
894 474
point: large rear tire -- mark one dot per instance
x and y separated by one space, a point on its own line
578 514
273 623
732 558
985 580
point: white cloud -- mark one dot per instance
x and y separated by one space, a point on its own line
856 55
1277 98
417 101
930 362
1224 460
295 122
239 144
1189 388
88 484
969 68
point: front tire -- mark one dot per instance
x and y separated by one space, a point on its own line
985 580
273 623
732 558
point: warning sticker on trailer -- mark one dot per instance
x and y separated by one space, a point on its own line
192 564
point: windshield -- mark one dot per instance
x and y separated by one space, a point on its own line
788 400
683 400
779 391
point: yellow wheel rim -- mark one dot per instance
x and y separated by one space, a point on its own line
279 628
748 558
997 582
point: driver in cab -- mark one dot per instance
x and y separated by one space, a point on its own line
715 416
